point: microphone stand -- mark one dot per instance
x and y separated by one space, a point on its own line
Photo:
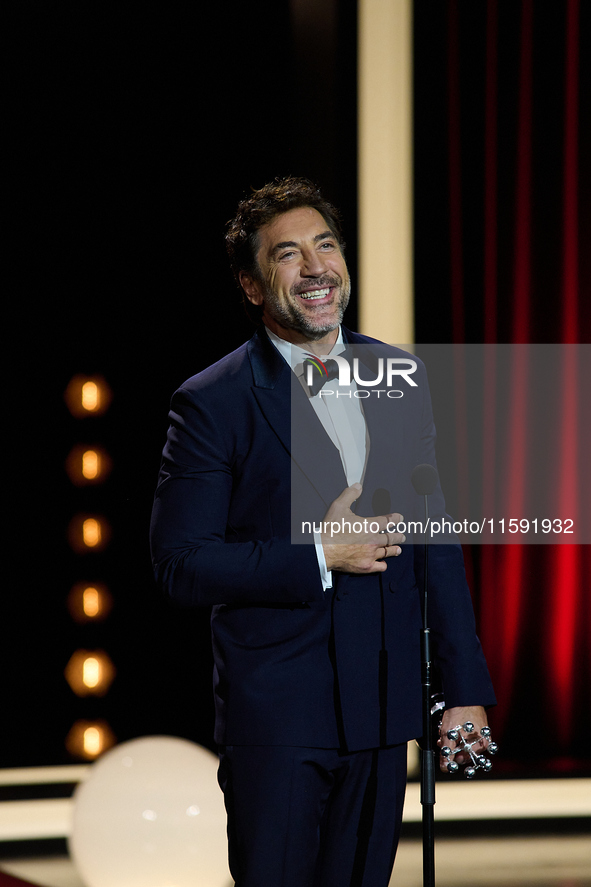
424 480
427 745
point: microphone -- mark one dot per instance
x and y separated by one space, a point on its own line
424 479
380 502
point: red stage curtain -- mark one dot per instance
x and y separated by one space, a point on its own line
532 601
12 881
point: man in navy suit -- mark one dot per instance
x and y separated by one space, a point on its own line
315 636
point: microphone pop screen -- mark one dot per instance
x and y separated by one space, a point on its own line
424 479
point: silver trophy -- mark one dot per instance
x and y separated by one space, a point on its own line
478 760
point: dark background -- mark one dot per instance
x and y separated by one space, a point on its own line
134 133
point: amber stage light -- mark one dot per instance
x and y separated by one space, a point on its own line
88 465
87 396
88 532
90 672
89 602
89 739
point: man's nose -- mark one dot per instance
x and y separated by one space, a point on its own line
313 264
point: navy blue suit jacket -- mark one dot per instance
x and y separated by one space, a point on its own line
295 665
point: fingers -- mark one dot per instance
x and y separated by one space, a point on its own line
356 544
390 538
389 541
377 555
391 550
358 558
389 523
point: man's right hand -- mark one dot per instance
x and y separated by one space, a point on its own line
358 552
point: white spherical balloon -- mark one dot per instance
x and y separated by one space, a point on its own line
151 814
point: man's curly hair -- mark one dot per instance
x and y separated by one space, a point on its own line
260 208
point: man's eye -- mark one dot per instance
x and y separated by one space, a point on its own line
328 244
287 255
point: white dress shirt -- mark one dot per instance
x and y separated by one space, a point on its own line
341 417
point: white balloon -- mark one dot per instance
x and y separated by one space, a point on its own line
151 814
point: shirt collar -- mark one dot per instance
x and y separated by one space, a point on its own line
294 355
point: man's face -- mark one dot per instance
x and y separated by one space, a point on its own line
304 284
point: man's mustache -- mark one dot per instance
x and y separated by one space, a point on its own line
319 284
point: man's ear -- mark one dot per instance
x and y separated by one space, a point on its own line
251 287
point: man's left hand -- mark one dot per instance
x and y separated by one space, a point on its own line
459 716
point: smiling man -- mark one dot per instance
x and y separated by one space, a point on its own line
301 280
316 646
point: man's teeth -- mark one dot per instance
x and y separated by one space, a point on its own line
316 294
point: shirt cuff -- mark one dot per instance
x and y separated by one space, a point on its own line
325 575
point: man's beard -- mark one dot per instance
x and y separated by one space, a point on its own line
292 316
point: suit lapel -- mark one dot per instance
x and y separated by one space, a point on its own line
271 388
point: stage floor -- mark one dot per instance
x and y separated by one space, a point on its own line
489 833
547 861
